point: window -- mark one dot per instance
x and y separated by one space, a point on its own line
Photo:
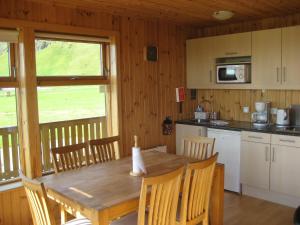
4 59
72 76
65 103
9 149
68 58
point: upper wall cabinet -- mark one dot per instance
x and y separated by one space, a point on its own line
291 57
200 63
266 59
233 45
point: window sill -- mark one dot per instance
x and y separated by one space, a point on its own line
10 186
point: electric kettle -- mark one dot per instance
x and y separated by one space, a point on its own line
283 117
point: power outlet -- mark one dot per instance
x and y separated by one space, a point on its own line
274 111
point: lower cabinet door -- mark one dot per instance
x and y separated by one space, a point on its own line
255 164
285 170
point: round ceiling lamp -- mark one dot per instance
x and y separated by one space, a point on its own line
223 15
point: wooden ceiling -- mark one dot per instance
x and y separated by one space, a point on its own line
193 12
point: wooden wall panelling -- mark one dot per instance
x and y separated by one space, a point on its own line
14 202
268 23
230 102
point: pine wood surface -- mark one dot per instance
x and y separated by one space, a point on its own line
196 192
91 193
198 147
230 102
244 210
187 12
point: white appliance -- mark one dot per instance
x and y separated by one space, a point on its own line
283 117
228 144
239 73
261 117
183 130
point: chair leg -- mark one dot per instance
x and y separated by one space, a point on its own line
63 214
205 221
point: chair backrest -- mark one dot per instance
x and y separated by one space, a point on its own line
196 191
38 202
105 149
70 157
164 195
198 147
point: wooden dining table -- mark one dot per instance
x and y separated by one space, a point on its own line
104 192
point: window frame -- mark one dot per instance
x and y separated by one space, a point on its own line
71 80
11 80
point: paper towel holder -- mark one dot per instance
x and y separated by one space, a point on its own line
135 137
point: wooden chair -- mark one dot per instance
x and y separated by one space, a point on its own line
103 150
198 147
162 202
39 205
196 192
70 157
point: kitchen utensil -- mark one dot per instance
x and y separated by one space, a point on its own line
283 117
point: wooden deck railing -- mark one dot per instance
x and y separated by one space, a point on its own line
9 153
54 134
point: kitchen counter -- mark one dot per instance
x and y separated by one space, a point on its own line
244 126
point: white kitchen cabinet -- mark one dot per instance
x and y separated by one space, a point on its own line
285 169
255 164
200 63
233 45
227 144
266 59
290 57
183 130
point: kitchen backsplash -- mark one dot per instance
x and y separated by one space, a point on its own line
230 102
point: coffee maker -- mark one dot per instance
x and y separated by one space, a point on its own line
261 117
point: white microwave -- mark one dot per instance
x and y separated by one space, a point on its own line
234 73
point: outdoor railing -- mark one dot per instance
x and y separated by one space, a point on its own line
54 134
9 153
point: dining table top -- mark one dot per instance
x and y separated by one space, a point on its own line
108 190
103 185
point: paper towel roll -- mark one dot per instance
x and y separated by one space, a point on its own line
138 165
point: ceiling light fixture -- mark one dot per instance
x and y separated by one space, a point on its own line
223 15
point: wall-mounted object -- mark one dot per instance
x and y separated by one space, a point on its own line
167 126
180 94
151 53
193 94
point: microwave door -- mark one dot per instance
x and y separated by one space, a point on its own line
227 74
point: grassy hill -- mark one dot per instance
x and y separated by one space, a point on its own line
59 103
68 58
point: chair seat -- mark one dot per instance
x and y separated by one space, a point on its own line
80 221
130 219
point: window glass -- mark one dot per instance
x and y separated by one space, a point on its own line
4 59
70 102
9 149
8 115
68 58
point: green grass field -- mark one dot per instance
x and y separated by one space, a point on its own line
59 103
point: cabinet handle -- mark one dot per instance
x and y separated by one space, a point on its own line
277 71
231 53
284 74
260 138
273 155
289 141
210 76
266 154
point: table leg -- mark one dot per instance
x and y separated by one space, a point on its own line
217 197
100 218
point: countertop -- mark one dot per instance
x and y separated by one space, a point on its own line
245 126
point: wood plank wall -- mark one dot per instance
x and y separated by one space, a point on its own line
230 102
147 88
